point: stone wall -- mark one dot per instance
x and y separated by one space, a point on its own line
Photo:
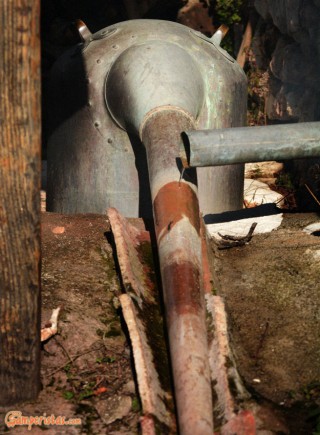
295 61
287 46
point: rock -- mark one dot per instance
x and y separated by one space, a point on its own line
295 61
289 64
241 227
262 8
114 408
263 170
309 15
291 18
195 14
275 10
257 193
129 387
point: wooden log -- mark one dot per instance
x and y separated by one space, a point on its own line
245 45
19 200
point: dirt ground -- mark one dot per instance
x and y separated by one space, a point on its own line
86 369
271 290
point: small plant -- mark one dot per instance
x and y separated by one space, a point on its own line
68 395
284 180
258 85
228 12
257 173
135 405
88 392
105 359
67 369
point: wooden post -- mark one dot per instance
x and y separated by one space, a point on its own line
245 45
19 200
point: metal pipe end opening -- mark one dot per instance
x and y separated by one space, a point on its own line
184 150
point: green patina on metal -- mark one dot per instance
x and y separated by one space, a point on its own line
143 65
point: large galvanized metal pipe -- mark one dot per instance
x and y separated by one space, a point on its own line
87 150
146 95
250 144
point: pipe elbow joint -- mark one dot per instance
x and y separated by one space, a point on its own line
152 76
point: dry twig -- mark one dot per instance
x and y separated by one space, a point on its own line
72 359
52 326
232 241
312 194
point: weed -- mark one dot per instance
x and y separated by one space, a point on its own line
136 407
284 180
68 395
105 359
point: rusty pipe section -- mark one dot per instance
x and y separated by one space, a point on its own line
177 225
156 90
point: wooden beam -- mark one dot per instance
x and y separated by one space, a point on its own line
245 45
19 200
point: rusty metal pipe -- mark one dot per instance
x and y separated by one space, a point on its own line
177 225
156 90
250 144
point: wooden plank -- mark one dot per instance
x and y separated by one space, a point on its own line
19 200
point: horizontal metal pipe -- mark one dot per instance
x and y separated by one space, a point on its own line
250 144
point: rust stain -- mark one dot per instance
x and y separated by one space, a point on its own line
173 201
242 424
184 281
136 272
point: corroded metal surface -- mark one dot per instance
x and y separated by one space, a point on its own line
93 163
149 99
251 144
151 393
230 395
228 386
141 299
177 226
128 238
